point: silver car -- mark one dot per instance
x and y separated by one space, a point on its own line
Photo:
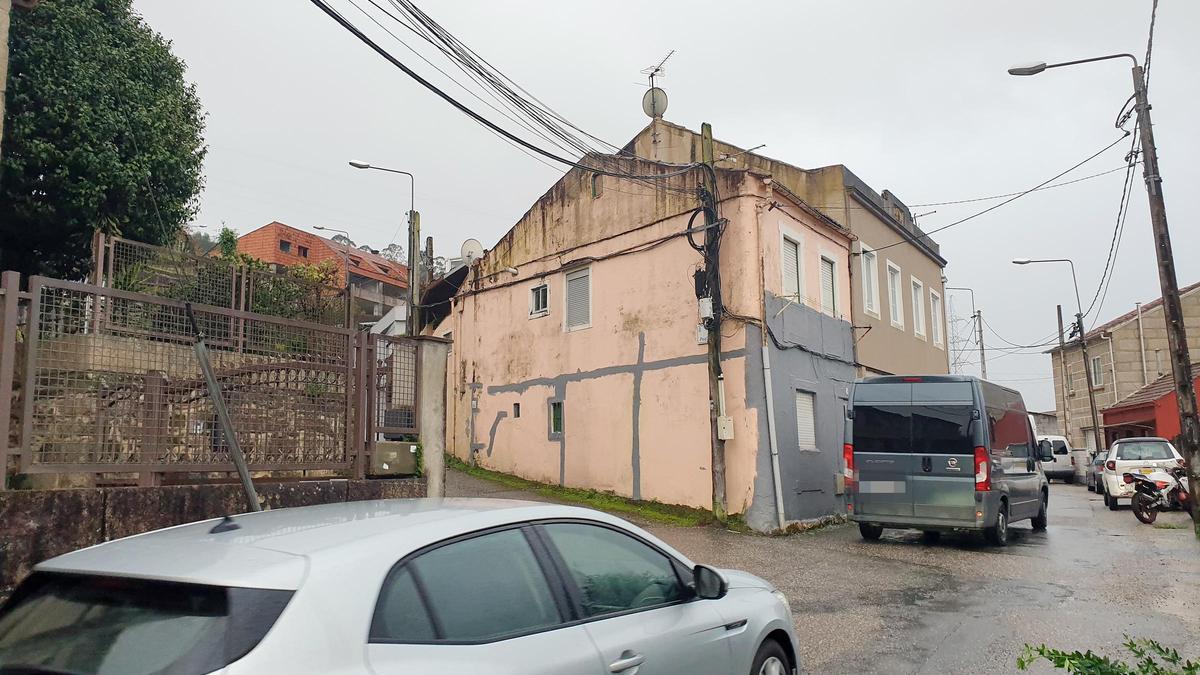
398 586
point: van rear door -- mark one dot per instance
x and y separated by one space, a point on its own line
881 431
943 451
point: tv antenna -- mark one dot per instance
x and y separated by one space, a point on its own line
654 101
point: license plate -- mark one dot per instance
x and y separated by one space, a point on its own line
1145 472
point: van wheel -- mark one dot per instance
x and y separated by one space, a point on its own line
1040 520
870 532
1070 480
930 537
998 533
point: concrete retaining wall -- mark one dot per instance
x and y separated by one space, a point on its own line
39 524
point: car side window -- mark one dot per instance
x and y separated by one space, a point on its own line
614 572
481 589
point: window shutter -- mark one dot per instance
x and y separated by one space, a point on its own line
828 304
806 427
791 269
579 301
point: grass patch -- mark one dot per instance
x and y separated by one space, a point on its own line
658 512
1168 526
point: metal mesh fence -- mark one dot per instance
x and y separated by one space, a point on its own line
115 384
395 390
180 275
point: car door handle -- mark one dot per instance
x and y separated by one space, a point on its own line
628 660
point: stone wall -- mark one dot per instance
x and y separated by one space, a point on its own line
39 524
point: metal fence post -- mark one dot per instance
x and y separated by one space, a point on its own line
10 287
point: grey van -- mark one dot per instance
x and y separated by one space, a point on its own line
942 453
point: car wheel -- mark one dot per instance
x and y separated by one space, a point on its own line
1042 518
1112 502
1070 480
930 537
870 532
998 533
770 660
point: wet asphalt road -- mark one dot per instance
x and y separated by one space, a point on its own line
961 606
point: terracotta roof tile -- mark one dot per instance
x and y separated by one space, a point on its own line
1153 391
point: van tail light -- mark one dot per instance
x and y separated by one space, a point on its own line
1072 460
983 470
848 464
1110 465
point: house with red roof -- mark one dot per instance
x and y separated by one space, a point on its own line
378 284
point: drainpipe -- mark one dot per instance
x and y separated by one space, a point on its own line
1112 366
766 369
1142 346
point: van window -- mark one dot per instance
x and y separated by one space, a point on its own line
882 428
1060 448
1011 436
943 429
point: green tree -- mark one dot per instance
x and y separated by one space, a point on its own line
102 132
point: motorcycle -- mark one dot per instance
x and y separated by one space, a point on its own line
1160 490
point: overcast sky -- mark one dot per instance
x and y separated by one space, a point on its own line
911 95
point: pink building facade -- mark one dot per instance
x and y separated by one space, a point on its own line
577 358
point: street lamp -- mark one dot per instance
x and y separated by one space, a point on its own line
414 243
1181 371
1087 364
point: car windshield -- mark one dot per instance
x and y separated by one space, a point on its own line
73 623
1144 450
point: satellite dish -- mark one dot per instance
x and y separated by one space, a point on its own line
654 102
471 251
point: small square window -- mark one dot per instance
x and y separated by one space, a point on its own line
516 410
285 246
556 417
539 300
302 251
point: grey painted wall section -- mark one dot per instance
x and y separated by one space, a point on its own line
814 354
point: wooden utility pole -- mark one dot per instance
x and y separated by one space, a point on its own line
1181 364
712 270
1080 471
5 13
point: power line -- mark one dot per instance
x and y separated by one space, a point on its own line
1013 194
1010 199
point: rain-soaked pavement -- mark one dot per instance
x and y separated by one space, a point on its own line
961 606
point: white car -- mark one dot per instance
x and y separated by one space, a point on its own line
397 586
1129 455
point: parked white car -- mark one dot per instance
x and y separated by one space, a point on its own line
1062 463
1129 455
400 586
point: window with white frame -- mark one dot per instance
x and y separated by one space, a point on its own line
935 318
828 286
895 295
870 281
790 263
1097 372
1070 383
579 299
539 300
918 305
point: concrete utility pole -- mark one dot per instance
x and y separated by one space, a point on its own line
1097 430
414 273
712 270
979 334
